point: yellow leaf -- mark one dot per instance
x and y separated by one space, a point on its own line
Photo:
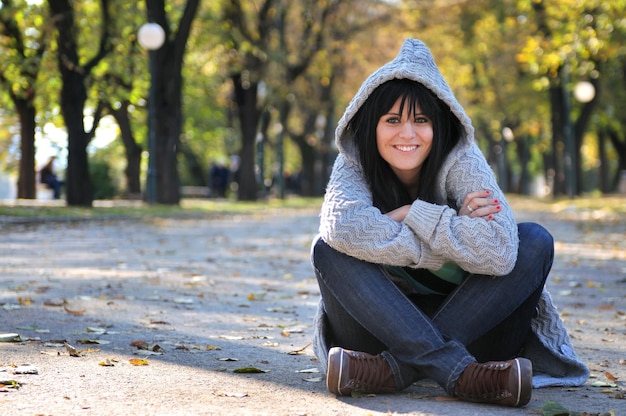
24 301
212 348
611 376
106 363
138 361
251 296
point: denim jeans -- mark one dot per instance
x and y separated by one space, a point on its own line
484 318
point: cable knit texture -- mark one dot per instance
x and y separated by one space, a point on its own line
433 234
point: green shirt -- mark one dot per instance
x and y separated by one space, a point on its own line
431 282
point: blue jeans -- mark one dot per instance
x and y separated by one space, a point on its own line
485 318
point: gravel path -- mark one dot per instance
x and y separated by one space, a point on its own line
219 311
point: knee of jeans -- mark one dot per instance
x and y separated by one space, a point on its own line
319 249
535 236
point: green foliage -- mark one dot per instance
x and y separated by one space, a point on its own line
499 56
103 184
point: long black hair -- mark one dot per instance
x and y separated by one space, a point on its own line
387 190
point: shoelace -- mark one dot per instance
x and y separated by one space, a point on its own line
485 382
368 372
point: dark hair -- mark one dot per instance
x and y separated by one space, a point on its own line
387 190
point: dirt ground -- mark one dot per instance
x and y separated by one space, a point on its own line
213 316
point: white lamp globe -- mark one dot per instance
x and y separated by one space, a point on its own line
151 36
584 91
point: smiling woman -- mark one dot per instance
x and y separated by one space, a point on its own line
422 269
404 137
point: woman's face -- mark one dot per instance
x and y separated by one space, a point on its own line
404 141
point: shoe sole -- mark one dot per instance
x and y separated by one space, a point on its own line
524 373
335 371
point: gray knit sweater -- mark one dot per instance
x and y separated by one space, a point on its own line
433 234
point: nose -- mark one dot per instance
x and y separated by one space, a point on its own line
407 130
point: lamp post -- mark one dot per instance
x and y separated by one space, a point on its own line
151 36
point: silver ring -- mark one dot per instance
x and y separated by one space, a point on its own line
470 209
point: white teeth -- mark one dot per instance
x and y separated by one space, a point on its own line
406 148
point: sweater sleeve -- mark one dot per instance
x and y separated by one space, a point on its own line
475 244
431 234
350 224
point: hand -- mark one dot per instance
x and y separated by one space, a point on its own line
479 205
399 214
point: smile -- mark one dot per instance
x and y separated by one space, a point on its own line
406 148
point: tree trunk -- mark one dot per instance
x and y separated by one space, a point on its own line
167 81
620 148
26 181
580 127
604 162
246 99
168 115
73 97
557 164
131 148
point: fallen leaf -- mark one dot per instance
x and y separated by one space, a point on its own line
71 350
235 394
183 301
611 377
94 341
10 384
212 348
74 312
147 352
603 384
24 301
53 303
25 369
138 361
10 337
300 351
106 363
140 344
249 370
309 370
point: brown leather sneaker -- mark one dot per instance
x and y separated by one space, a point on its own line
507 383
350 371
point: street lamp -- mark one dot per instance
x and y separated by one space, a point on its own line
151 36
584 92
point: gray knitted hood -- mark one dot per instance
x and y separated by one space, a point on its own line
414 62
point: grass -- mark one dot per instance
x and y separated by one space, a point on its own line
609 204
124 208
613 205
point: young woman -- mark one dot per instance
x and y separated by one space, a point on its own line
422 269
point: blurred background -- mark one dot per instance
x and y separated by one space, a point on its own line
159 101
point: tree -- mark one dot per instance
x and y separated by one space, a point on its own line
248 35
168 86
571 42
75 75
21 63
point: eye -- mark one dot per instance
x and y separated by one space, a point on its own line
420 119
392 119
